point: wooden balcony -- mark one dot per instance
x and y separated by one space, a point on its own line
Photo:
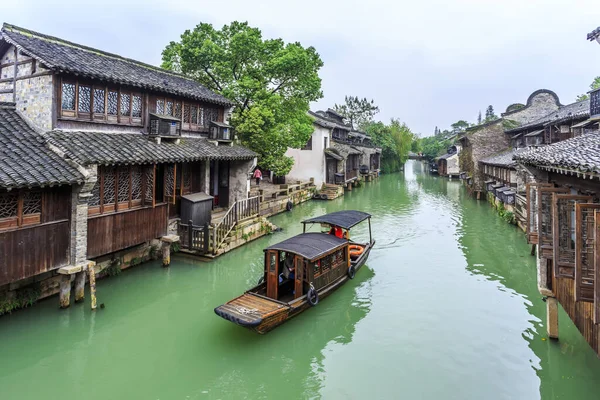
595 104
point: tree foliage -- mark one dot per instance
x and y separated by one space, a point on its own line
479 118
358 112
459 126
396 141
593 86
489 114
271 84
433 146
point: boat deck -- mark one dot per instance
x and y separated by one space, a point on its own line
250 309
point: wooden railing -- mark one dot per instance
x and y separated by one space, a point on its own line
239 211
194 237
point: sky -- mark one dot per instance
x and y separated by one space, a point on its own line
427 62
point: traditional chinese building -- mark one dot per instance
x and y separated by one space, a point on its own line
131 139
335 154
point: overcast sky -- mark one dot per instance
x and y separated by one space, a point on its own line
427 62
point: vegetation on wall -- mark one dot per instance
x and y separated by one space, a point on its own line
270 82
23 298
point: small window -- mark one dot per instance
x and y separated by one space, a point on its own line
136 105
160 106
84 99
186 113
308 145
99 101
194 114
178 110
169 110
125 104
68 96
113 102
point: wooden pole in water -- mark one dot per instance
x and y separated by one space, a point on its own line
92 279
370 235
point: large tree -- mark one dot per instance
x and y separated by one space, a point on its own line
395 140
271 84
460 125
593 86
489 114
358 112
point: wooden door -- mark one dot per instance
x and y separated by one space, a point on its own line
272 267
585 241
563 220
224 183
331 170
531 212
299 274
544 219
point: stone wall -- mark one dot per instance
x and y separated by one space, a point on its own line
239 184
483 142
539 103
275 206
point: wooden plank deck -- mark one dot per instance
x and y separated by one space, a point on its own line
250 310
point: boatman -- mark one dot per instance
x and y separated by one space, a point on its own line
337 231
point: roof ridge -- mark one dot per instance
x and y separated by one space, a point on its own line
49 38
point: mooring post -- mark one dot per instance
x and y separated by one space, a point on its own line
552 317
65 291
92 279
166 247
79 286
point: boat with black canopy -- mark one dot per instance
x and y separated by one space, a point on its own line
301 271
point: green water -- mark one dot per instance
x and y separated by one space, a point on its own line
447 308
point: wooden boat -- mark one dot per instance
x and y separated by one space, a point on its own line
319 262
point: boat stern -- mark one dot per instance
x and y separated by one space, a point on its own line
241 316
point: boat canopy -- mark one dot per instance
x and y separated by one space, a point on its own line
344 219
310 245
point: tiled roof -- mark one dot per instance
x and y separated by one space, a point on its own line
329 123
581 154
135 148
25 161
578 110
344 150
63 56
503 158
593 35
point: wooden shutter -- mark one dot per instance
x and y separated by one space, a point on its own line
532 209
563 220
272 267
544 219
585 238
597 270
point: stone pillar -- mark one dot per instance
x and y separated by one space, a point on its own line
65 291
79 217
79 286
205 176
552 317
166 248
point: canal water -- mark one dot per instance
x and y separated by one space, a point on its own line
446 308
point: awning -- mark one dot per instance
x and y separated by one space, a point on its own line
517 136
344 219
582 124
332 154
309 245
535 133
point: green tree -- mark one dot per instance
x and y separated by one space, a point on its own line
479 118
396 141
489 114
271 84
593 86
358 112
460 125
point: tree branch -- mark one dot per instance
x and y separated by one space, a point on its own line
215 81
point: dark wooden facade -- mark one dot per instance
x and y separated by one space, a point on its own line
36 247
113 232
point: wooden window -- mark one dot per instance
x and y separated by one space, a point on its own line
177 110
194 114
169 108
122 188
532 210
20 208
545 223
160 106
585 240
99 103
563 216
308 145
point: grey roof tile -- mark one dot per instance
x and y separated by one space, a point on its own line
61 55
25 160
570 112
581 153
135 148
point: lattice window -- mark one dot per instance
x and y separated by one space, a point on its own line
187 178
125 104
99 95
160 106
149 195
109 185
9 204
136 183
178 110
585 238
68 96
186 113
194 114
169 108
84 103
32 202
94 201
201 117
113 102
210 114
123 189
170 180
136 111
